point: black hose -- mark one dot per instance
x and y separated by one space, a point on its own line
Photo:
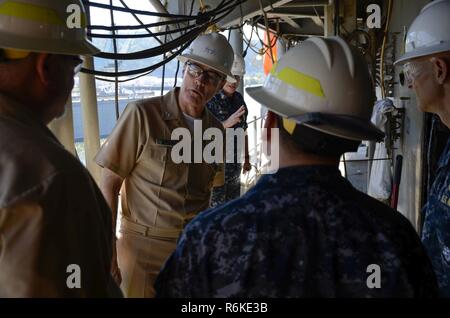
140 12
144 35
183 41
148 69
156 50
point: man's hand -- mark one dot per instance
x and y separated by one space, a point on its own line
235 118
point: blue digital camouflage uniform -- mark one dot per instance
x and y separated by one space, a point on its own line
436 228
302 232
222 107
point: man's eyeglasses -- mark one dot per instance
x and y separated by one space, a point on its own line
210 77
413 69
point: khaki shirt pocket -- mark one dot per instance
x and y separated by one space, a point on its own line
201 177
166 173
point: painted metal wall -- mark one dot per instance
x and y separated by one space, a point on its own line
411 143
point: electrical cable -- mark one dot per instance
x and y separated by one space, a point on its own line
135 27
143 35
383 48
148 69
116 66
154 51
266 23
139 20
139 12
184 40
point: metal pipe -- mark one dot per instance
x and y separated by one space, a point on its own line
158 6
88 98
255 140
236 42
329 14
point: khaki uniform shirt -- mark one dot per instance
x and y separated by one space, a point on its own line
52 215
157 192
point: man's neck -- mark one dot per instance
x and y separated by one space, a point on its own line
289 159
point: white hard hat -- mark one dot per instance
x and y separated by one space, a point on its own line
238 66
429 33
212 50
322 84
44 26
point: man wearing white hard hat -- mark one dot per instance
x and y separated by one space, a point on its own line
55 226
229 107
426 65
158 195
305 231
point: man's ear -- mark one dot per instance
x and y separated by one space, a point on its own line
43 67
440 69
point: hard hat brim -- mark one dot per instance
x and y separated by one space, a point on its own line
423 52
344 126
50 46
347 127
267 99
186 57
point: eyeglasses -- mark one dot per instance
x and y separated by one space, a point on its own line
210 77
413 69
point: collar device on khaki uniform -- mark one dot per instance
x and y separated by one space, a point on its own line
166 142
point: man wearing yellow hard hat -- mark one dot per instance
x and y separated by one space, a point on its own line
55 226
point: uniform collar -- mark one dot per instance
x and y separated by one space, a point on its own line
301 175
11 108
171 108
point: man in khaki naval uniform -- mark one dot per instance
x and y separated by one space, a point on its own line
55 226
159 196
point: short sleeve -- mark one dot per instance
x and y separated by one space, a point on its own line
122 149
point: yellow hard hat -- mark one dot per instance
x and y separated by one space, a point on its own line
51 26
